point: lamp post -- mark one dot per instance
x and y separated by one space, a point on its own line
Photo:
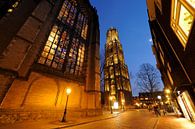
68 91
123 103
159 98
111 98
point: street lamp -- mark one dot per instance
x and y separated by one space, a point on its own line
111 98
68 91
167 91
159 97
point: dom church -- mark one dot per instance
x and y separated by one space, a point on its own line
47 46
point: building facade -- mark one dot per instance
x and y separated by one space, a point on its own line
148 98
116 76
173 33
46 47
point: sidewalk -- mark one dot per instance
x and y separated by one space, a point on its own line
171 121
48 124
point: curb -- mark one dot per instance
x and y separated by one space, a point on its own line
86 122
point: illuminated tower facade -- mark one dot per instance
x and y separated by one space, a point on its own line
117 81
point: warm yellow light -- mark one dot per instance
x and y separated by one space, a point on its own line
168 91
185 20
68 91
159 97
137 104
115 105
10 10
111 98
192 3
123 100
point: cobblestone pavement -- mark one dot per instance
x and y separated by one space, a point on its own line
137 119
173 122
133 119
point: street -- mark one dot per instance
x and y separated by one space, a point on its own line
132 119
138 119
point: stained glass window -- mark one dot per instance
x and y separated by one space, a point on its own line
84 29
55 49
63 51
64 11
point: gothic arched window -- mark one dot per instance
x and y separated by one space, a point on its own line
65 46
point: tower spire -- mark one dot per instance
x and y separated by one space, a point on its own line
117 82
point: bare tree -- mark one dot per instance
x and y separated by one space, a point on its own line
148 78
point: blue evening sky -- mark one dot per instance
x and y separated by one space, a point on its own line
131 19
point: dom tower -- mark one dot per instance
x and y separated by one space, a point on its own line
117 83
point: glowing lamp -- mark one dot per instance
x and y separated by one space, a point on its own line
115 105
68 91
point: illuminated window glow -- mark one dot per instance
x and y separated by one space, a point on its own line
182 18
116 79
62 51
191 2
8 6
185 20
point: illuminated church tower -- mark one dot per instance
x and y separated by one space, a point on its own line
117 81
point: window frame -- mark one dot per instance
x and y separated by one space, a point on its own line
75 53
174 20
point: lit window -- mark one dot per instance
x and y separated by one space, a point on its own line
191 2
8 6
185 20
113 90
182 17
106 86
84 29
67 13
115 59
62 52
